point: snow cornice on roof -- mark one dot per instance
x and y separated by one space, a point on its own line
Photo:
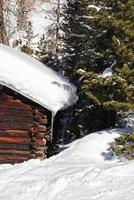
34 80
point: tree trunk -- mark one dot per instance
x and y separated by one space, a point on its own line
57 31
3 35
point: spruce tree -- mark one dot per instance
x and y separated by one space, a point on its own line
111 44
108 42
46 52
75 31
113 47
115 92
49 46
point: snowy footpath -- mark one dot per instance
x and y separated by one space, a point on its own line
85 170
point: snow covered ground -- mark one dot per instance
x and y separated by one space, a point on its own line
41 14
84 171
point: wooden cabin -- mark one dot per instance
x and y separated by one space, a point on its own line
30 95
25 128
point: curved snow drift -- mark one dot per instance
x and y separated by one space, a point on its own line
34 80
84 171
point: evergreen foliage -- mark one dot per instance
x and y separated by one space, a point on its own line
111 40
27 40
25 43
99 35
49 46
115 92
45 51
74 27
123 146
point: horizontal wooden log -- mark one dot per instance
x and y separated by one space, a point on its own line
32 156
42 128
33 145
41 135
14 152
17 131
15 100
16 113
14 119
32 131
35 111
33 139
36 124
41 142
44 116
42 110
7 98
15 140
37 118
12 162
6 134
8 159
20 126
43 121
15 106
39 154
41 148
38 143
39 114
14 133
18 147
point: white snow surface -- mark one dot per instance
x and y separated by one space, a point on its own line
95 7
107 72
34 80
39 16
84 171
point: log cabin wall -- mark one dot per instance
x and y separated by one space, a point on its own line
24 128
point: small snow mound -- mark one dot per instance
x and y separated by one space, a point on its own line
91 148
107 72
95 7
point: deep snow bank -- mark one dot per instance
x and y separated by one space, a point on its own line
34 80
84 171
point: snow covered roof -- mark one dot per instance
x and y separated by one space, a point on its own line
34 80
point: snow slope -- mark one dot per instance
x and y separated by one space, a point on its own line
39 16
34 80
84 171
